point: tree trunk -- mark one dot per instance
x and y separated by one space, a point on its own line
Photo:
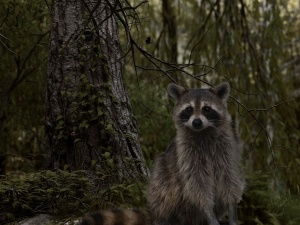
89 121
170 26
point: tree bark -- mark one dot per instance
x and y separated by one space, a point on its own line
89 121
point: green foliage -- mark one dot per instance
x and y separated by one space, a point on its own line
56 192
262 205
24 27
254 208
86 108
287 208
61 193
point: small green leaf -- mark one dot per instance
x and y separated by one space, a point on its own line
99 111
110 163
109 127
106 155
77 139
59 117
93 162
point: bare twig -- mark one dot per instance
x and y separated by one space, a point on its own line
271 107
1 35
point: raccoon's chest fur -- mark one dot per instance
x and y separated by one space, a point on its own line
206 155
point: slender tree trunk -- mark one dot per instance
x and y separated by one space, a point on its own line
89 121
170 26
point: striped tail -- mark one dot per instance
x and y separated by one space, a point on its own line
117 217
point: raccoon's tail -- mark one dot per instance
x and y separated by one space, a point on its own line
117 217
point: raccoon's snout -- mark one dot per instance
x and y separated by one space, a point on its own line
197 123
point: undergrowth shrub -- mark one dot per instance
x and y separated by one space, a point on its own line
287 208
61 192
262 206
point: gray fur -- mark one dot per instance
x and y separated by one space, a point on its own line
197 180
175 91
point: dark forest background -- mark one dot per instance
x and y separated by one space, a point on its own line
254 45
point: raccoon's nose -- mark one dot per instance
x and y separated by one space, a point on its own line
197 123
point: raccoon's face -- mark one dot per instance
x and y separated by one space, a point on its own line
198 109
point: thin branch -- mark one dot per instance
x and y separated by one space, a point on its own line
271 107
1 35
261 126
132 7
33 49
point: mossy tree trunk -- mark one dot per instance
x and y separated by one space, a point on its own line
89 121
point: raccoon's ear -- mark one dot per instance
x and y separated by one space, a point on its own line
222 90
176 91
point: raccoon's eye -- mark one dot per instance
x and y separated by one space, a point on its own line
207 108
189 109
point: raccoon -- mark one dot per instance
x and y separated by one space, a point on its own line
197 180
118 217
